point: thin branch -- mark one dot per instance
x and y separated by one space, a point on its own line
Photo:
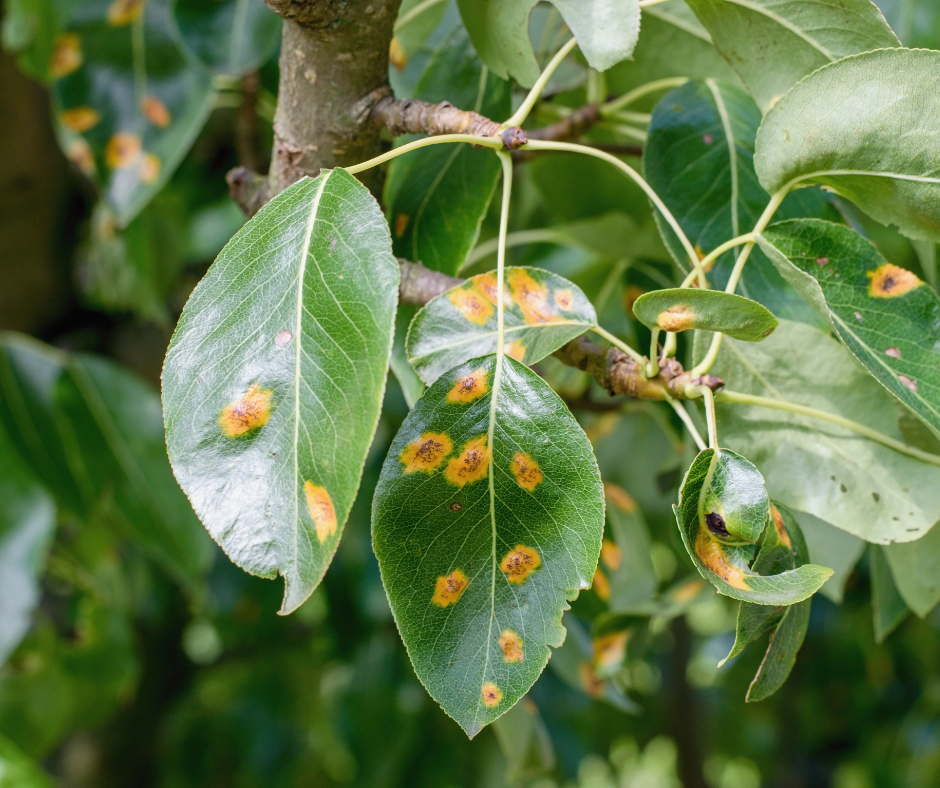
570 127
683 414
519 116
621 102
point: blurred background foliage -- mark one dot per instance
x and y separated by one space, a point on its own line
132 653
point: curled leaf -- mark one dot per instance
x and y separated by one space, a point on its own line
679 309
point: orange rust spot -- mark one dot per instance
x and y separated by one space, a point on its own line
531 297
712 555
149 168
610 650
492 695
515 349
486 284
123 12
619 497
511 644
780 526
450 588
79 153
396 54
471 465
426 453
601 584
564 299
676 318
890 281
401 222
526 470
122 150
688 591
321 510
79 119
611 554
468 388
632 293
700 253
155 111
250 411
471 303
66 55
520 563
590 682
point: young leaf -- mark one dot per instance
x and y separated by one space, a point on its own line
914 568
437 197
606 30
128 102
488 516
887 605
773 44
839 476
722 512
711 310
885 314
861 127
542 312
274 378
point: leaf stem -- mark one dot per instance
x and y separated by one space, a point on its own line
519 116
487 142
619 345
652 367
572 147
689 424
669 346
802 410
709 397
407 18
519 238
613 107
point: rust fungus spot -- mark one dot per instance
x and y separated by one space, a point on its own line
469 387
283 337
889 281
155 111
401 223
610 650
564 299
123 12
122 150
396 54
515 349
450 588
426 453
905 380
250 411
822 261
611 554
780 526
601 584
700 253
590 682
492 695
526 470
688 591
471 465
531 297
79 119
630 296
893 352
472 304
677 318
511 645
79 153
486 284
456 506
712 554
619 497
520 563
149 168
321 510
66 55
708 139
858 316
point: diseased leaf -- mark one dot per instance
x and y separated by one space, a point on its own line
487 518
30 28
678 309
773 44
864 127
813 466
274 379
542 312
887 605
723 510
914 569
888 317
436 197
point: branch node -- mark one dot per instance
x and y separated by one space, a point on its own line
248 189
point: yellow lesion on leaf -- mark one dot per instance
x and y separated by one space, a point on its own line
486 284
531 297
396 54
123 12
426 452
66 55
511 645
122 150
519 563
516 349
712 554
79 119
468 388
676 318
780 526
601 584
471 465
250 411
591 683
492 695
611 554
471 303
320 506
610 650
79 153
619 497
449 588
526 470
890 281
155 111
401 223
564 299
688 591
149 168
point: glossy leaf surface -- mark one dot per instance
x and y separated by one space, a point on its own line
680 309
723 510
879 149
274 379
542 312
481 543
888 317
773 44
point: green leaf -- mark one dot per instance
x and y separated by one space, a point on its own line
878 149
712 310
914 569
231 37
887 605
412 37
17 770
411 385
128 102
92 433
723 510
30 28
274 379
542 312
813 466
436 197
785 643
606 30
627 560
888 317
832 547
478 573
773 44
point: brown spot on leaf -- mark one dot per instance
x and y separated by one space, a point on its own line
619 497
519 563
66 55
677 318
426 452
633 292
906 381
716 524
611 554
610 651
401 222
564 299
396 54
456 506
511 645
469 387
155 111
712 554
601 584
283 337
250 411
492 695
708 139
893 352
526 470
531 297
471 303
515 349
450 588
822 261
780 526
123 12
79 119
320 506
890 281
149 168
471 465
858 316
122 150
486 284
